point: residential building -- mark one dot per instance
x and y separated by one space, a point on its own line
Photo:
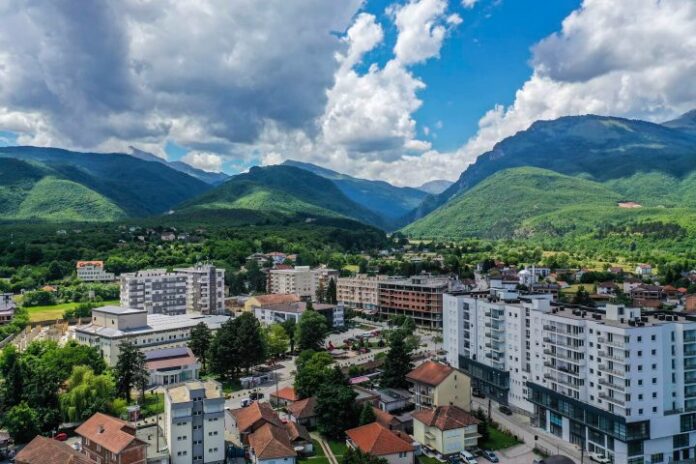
419 297
302 412
394 446
447 429
242 422
392 399
108 440
93 271
300 280
113 325
647 296
156 291
281 312
205 288
614 381
390 421
606 288
436 384
194 423
43 450
259 301
284 397
271 443
170 366
690 302
643 270
360 292
7 308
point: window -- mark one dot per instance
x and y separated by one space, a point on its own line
658 457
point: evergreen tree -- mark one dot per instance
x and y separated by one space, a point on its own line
311 331
251 347
289 327
130 370
11 373
331 296
223 357
321 293
367 415
335 408
200 342
398 361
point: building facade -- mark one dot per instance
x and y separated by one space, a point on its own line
279 313
615 381
436 384
205 288
171 366
194 423
419 297
360 292
108 440
7 308
156 291
93 271
300 280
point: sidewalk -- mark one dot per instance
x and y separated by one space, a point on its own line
325 447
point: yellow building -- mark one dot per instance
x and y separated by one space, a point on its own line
436 384
446 429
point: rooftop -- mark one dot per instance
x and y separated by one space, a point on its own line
247 417
109 432
445 417
182 393
430 373
42 450
118 310
264 300
271 442
286 393
156 323
377 440
171 357
303 409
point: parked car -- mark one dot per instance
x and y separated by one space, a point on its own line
477 393
490 455
600 458
256 396
505 410
62 436
467 457
246 402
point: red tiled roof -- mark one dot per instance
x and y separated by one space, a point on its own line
445 417
303 409
383 417
277 298
90 263
271 442
286 393
255 412
430 373
297 431
108 432
377 440
42 450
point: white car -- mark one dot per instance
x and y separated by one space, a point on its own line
600 458
467 457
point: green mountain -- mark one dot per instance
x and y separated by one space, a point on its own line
275 194
32 190
685 123
134 187
212 178
388 201
435 187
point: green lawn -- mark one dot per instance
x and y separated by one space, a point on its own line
153 404
50 313
338 447
318 458
499 440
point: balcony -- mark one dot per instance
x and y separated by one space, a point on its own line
613 371
613 343
615 386
612 399
614 357
550 328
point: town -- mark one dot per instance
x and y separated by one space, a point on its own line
512 364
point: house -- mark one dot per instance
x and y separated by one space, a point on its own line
168 237
284 397
243 422
106 439
299 438
606 288
302 412
259 258
647 296
365 395
271 443
42 450
402 423
7 308
447 429
391 399
376 439
171 366
690 303
437 384
618 270
643 270
272 299
631 283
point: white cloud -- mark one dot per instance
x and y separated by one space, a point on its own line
469 3
422 28
206 161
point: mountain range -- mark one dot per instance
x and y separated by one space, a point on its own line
569 174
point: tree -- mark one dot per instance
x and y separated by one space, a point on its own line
238 344
582 297
311 331
356 456
312 369
367 415
22 422
250 342
11 372
331 294
483 426
321 293
335 408
397 363
86 393
223 356
289 327
130 370
201 339
277 340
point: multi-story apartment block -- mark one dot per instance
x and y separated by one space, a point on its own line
205 288
615 381
93 271
419 297
112 325
156 291
360 292
194 423
300 280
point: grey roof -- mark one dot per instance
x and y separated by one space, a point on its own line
167 353
156 323
113 309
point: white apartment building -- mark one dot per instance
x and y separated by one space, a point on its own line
281 312
194 423
205 288
93 271
614 381
301 280
361 291
156 291
112 325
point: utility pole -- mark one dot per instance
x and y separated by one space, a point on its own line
489 409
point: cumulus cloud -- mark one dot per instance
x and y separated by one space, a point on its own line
206 161
422 27
469 3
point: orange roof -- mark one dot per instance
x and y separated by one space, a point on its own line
271 442
297 431
90 263
383 417
109 432
42 450
252 414
445 417
377 440
286 393
276 298
430 373
303 409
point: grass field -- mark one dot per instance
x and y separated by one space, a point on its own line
338 448
49 313
318 458
499 440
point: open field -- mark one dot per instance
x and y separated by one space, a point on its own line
49 313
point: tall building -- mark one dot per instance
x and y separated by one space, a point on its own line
205 288
93 271
156 291
614 381
194 423
419 297
300 280
360 292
